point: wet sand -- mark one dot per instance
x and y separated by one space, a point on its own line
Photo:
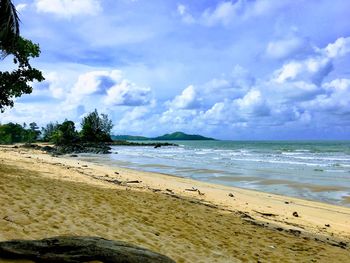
189 221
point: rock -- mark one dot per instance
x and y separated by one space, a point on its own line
327 225
231 195
158 145
295 214
295 232
48 149
79 249
73 155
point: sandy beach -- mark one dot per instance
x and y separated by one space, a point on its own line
190 221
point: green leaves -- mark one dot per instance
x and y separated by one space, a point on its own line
9 25
15 83
96 128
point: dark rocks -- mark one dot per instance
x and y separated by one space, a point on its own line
231 195
98 148
79 249
295 232
154 144
295 214
47 148
74 148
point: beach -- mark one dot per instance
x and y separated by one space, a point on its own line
189 221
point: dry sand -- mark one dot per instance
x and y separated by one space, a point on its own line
43 196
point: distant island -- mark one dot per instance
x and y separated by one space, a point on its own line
176 136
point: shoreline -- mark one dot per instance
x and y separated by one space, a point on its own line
269 212
317 188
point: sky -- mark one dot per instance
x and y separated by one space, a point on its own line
235 70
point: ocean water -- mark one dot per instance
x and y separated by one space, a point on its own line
316 170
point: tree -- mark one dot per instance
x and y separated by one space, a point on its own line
65 134
15 83
33 132
14 133
9 25
96 128
48 131
11 133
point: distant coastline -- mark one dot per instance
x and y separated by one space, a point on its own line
176 136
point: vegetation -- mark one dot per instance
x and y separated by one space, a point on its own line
15 83
49 131
9 24
65 133
180 136
15 133
96 128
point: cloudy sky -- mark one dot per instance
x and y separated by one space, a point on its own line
241 69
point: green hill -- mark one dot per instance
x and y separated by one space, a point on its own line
179 136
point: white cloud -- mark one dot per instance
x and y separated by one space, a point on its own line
228 12
252 104
218 114
95 82
55 85
181 9
69 8
127 94
316 67
222 14
186 100
313 69
186 16
336 98
292 92
285 47
339 48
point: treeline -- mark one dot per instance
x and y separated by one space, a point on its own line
14 133
95 128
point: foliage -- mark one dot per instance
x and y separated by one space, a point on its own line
96 128
15 83
14 133
49 131
65 134
9 24
33 132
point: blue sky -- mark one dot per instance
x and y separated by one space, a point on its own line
245 69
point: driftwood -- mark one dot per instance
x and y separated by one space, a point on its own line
194 190
79 249
264 214
133 182
191 189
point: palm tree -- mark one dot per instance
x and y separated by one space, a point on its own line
9 25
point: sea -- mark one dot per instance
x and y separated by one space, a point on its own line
314 170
